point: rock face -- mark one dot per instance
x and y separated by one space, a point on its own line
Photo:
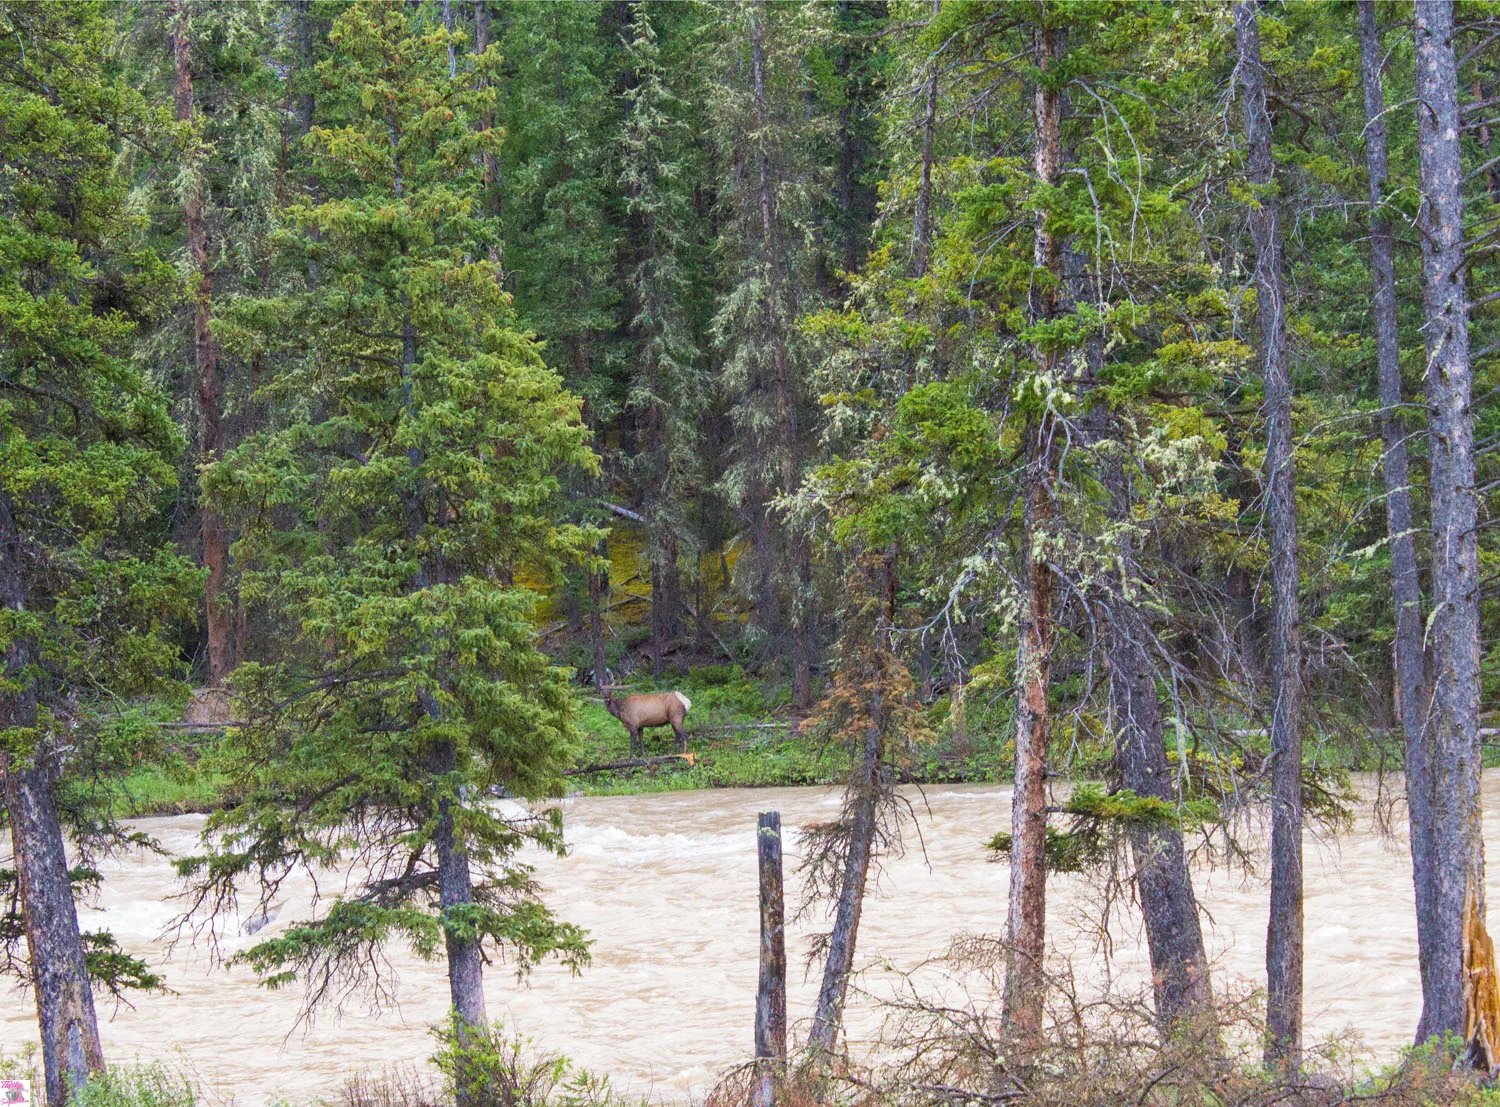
208 707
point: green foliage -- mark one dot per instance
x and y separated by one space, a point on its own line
148 1085
87 441
560 223
110 968
1098 819
92 593
413 468
498 1069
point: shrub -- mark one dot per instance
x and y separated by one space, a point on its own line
151 1085
500 1069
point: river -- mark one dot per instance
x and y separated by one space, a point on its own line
666 884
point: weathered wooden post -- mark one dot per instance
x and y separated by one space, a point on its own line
770 998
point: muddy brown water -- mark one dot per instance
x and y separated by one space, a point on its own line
666 884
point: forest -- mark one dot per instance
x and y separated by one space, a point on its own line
409 408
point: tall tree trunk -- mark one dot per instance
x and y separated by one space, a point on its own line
71 1052
1026 921
868 788
788 434
850 239
1406 587
209 390
59 973
449 27
1452 729
491 163
1284 932
1169 907
307 101
829 1013
666 598
921 224
598 598
455 885
456 890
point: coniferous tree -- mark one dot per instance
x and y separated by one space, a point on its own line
88 586
561 225
1406 585
765 134
209 385
415 466
1456 891
1284 935
668 392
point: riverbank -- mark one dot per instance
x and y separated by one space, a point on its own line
666 886
744 734
741 734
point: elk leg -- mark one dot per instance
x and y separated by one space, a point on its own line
635 737
681 735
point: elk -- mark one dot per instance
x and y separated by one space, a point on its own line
649 709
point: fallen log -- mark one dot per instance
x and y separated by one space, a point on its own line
633 763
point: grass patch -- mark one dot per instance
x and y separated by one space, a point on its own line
179 786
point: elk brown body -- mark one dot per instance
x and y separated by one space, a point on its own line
649 709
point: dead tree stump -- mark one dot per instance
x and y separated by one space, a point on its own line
770 998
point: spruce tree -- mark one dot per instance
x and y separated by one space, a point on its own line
412 470
668 390
88 590
561 225
766 134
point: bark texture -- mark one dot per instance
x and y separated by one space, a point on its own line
1026 922
493 201
921 224
1410 695
666 596
209 384
68 1026
306 100
1169 906
1284 930
1452 728
456 890
862 830
770 997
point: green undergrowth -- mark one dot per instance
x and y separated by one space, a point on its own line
742 733
170 789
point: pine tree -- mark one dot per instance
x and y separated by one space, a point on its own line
561 225
88 590
1284 937
765 137
560 229
415 467
668 391
1455 893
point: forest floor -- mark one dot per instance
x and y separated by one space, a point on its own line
741 734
